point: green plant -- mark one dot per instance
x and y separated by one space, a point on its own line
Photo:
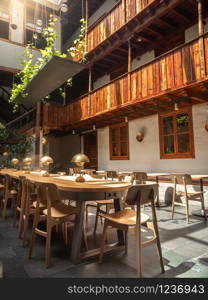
79 47
17 145
31 68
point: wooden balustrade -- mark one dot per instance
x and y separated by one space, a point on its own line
114 20
176 69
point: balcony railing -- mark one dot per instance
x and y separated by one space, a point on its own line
180 67
114 20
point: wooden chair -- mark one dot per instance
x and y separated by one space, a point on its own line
140 177
56 213
137 195
9 193
17 206
27 208
185 181
108 204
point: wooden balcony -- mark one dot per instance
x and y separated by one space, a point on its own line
179 75
112 21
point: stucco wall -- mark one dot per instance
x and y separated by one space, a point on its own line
62 150
11 55
145 156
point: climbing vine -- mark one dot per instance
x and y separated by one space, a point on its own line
30 66
79 48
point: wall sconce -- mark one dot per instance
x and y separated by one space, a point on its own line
14 19
126 119
176 106
140 136
94 127
73 132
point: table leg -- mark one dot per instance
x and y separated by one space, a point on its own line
117 207
77 233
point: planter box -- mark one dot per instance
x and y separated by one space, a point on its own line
53 74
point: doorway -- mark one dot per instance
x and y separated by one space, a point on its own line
90 149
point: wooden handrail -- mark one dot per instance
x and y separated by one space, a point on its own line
148 63
21 117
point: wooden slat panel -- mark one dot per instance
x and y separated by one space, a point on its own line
180 67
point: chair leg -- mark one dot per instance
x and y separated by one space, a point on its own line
48 247
33 237
187 210
15 217
138 248
86 214
156 232
85 239
173 204
103 238
126 242
203 208
25 227
5 202
96 220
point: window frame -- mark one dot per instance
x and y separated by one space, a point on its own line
7 20
126 157
176 155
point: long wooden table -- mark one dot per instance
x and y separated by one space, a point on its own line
82 192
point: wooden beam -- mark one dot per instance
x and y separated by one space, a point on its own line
180 15
200 18
161 11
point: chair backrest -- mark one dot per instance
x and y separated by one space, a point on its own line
48 192
141 194
127 178
182 179
111 174
140 177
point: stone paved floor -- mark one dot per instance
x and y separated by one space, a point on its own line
185 252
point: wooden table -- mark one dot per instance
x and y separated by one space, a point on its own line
82 192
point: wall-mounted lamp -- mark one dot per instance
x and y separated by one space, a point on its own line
14 20
126 119
94 127
73 132
140 136
139 39
176 106
64 8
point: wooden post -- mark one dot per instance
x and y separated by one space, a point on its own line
86 18
129 69
89 90
201 40
200 18
37 134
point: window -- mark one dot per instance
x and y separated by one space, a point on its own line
176 135
4 19
119 141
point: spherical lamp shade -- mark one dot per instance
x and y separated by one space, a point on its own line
80 159
15 161
27 161
46 160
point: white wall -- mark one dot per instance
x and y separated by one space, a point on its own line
143 59
10 54
101 81
145 156
192 32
